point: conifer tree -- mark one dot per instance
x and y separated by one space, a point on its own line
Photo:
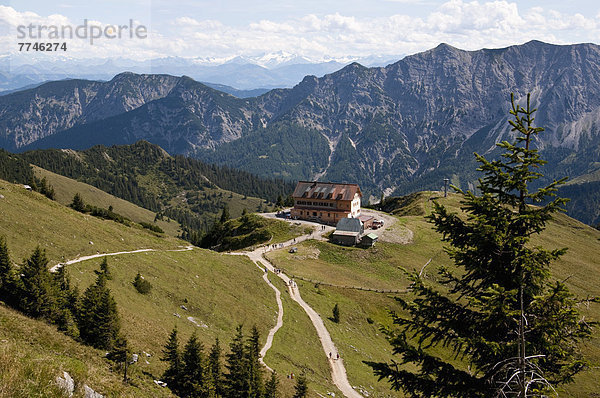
104 269
236 379
38 292
255 377
67 298
120 354
510 326
78 203
98 319
172 356
271 386
214 370
336 314
224 215
7 275
193 382
301 387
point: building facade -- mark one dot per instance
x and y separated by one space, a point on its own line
325 202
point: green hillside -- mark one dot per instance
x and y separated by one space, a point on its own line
379 268
186 190
65 188
33 354
29 219
196 290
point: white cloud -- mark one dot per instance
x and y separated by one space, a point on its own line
465 24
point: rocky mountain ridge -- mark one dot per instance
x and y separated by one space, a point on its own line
395 128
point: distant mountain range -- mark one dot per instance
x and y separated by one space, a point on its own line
399 128
273 70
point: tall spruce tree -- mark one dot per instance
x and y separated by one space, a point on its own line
172 357
236 379
225 216
7 275
255 374
215 375
37 289
193 380
301 387
335 313
120 355
271 386
78 203
104 269
98 319
505 325
67 301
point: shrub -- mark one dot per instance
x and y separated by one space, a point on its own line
141 284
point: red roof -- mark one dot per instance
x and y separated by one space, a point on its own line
326 190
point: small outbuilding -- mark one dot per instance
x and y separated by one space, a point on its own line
367 221
346 238
350 225
369 240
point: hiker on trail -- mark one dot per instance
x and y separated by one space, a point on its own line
329 355
266 270
338 355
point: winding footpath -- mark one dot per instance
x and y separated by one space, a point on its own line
278 324
338 371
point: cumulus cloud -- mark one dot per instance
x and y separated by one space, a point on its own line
465 24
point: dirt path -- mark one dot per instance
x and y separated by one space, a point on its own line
338 370
278 324
84 258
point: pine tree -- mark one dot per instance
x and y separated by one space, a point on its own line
172 356
120 355
104 269
78 203
236 380
301 387
224 215
336 314
7 275
214 370
271 386
37 290
193 382
255 377
67 303
98 319
512 328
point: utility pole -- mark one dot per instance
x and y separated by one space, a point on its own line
446 180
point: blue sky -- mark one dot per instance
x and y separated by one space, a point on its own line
317 30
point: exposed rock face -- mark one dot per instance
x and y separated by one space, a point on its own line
400 127
30 115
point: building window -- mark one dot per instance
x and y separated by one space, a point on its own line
314 213
328 214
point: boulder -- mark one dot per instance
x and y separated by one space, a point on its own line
90 393
66 383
